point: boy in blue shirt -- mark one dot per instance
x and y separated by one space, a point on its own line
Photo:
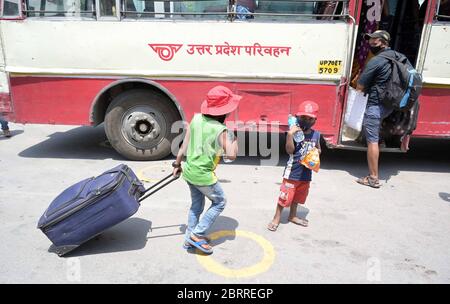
296 178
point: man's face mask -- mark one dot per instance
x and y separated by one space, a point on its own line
375 46
305 122
375 49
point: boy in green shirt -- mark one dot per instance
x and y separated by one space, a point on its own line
205 140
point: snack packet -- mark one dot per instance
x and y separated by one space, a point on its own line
312 160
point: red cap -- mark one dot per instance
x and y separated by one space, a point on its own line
219 101
308 108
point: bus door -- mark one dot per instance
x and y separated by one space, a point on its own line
404 20
434 64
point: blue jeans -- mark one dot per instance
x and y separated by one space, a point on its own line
4 123
371 128
372 125
196 225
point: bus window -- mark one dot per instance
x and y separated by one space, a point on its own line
108 8
444 10
285 7
60 8
10 8
214 9
280 10
406 28
328 8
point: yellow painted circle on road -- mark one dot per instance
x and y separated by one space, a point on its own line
208 262
140 174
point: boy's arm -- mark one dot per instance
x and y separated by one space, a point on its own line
182 152
229 147
184 146
290 147
318 146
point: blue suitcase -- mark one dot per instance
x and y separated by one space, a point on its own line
93 205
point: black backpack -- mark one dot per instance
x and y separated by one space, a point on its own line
404 85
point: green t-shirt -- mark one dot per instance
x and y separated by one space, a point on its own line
204 151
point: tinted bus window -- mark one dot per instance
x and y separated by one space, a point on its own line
215 9
108 8
444 10
280 10
11 8
60 8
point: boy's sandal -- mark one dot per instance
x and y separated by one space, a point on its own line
199 246
187 246
369 181
299 221
272 226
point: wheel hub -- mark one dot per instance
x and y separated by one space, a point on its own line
141 127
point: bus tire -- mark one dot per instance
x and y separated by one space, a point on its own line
138 124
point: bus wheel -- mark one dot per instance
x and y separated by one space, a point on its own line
138 124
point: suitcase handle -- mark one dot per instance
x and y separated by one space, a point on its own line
174 178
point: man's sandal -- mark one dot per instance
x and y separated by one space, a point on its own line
369 181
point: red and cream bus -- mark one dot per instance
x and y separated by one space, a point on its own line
138 66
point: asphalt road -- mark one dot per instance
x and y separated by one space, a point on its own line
396 234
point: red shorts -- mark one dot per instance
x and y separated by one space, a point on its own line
292 191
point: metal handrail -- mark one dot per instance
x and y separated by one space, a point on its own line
172 13
229 13
60 12
293 1
442 16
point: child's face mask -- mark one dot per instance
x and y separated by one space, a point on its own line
305 122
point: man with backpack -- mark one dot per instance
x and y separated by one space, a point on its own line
392 84
373 81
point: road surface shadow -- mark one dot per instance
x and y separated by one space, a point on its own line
425 155
91 143
13 134
76 143
222 223
445 196
302 213
155 230
129 235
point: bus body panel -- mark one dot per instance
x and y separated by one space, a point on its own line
176 49
282 63
436 69
54 100
434 113
65 100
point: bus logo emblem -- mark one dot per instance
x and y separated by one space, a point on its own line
166 51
